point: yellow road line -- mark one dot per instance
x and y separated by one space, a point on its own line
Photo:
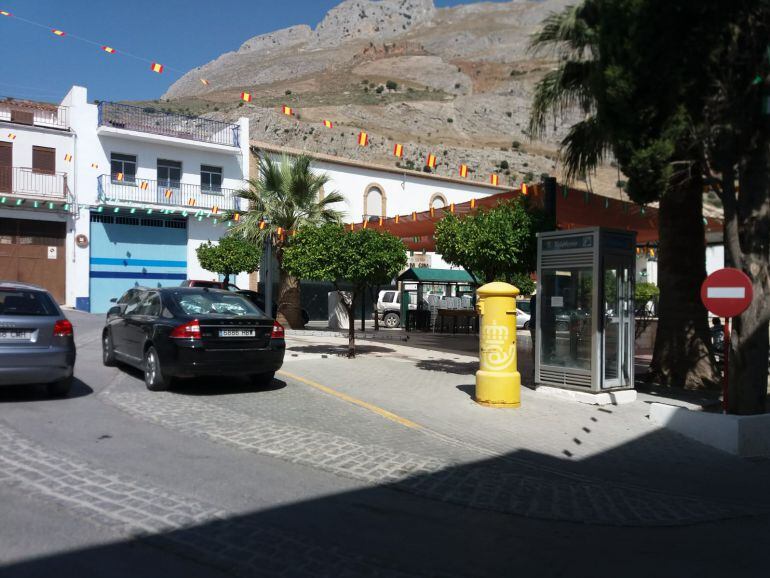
359 402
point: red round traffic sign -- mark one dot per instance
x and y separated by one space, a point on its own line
727 292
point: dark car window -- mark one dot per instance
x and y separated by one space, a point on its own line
206 303
23 302
388 297
131 296
150 306
133 306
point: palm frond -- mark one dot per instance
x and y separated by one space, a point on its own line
567 33
559 91
584 148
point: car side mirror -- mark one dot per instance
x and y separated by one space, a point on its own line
117 310
114 300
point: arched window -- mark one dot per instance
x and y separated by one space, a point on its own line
375 202
437 201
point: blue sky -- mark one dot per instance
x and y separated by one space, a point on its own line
178 33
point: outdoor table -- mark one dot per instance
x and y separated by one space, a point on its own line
456 314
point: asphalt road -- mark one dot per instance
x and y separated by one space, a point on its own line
220 479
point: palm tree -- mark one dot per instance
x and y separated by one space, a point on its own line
284 197
682 345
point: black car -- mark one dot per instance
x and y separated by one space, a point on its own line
180 332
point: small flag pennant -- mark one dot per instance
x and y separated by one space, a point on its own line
215 209
473 203
204 82
287 110
119 177
144 185
94 166
328 124
191 202
262 225
494 179
4 13
167 193
58 32
452 208
246 96
68 157
463 171
381 221
237 217
156 67
431 161
108 49
11 136
279 232
398 150
363 139
524 189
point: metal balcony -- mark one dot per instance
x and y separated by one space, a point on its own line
34 114
165 194
33 184
157 122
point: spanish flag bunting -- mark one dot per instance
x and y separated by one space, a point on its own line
524 190
168 193
431 161
328 124
191 202
452 208
94 166
279 232
363 139
473 203
414 215
366 221
494 179
351 227
204 82
108 49
119 177
4 13
381 221
11 136
432 211
246 96
144 185
398 150
397 219
156 67
287 110
463 171
215 209
237 217
68 157
58 32
262 225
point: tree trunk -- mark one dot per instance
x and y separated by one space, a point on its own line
350 306
289 309
682 356
374 292
749 342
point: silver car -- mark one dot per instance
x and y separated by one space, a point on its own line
36 339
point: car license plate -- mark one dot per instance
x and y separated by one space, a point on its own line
16 334
236 333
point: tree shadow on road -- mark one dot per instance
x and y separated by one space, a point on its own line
449 366
337 350
38 392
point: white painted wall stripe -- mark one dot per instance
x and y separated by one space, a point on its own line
726 292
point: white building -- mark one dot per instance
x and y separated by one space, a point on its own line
372 190
133 191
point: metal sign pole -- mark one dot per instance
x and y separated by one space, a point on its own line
726 376
269 276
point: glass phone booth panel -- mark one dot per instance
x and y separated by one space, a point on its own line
584 326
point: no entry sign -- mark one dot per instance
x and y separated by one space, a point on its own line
727 292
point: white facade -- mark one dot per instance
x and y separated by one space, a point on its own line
208 159
378 191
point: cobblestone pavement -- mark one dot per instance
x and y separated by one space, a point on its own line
476 479
127 507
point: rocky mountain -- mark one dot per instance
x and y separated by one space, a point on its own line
455 82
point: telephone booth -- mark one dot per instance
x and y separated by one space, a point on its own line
584 323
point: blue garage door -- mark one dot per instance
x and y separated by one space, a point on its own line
129 251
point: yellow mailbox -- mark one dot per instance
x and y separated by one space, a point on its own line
498 383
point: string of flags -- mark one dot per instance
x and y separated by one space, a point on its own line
159 68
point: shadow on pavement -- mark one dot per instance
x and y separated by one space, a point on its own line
520 510
38 392
203 386
449 366
337 350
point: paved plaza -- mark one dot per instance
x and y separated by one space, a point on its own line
378 466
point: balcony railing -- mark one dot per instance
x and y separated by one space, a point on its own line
158 122
157 193
21 113
25 182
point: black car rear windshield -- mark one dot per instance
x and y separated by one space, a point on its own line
213 303
24 302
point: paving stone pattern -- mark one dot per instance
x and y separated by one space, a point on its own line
172 522
491 484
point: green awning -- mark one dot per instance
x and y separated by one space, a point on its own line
426 275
